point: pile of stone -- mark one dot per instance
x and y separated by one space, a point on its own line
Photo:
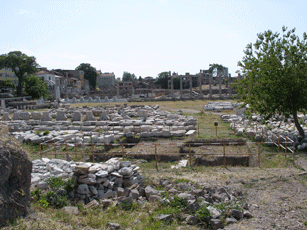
196 196
266 130
112 123
118 182
103 181
93 180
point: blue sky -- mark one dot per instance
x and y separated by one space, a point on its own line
144 37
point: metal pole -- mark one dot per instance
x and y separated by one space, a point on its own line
40 148
278 142
224 153
286 149
66 150
293 153
93 151
75 148
54 151
83 146
190 157
123 152
259 155
156 157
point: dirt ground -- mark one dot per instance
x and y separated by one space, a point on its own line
277 196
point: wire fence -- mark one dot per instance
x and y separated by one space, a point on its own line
223 150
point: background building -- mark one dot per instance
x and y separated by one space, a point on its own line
105 80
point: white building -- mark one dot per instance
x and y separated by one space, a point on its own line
105 80
51 77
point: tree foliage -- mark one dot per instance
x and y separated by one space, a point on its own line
129 77
162 79
21 64
35 86
215 66
7 84
90 73
275 75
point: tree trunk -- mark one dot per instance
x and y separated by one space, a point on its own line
19 88
297 125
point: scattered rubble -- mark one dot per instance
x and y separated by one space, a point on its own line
118 182
104 124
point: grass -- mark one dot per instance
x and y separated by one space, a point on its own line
140 216
137 217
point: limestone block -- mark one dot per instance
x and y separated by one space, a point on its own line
191 133
6 116
83 189
101 123
46 117
178 133
145 128
24 116
125 171
74 100
16 116
128 129
146 134
108 139
88 128
36 115
61 116
89 116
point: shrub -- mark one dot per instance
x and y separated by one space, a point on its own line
56 200
58 196
203 215
46 132
55 183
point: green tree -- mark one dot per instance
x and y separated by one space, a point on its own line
7 84
129 77
21 64
162 79
35 86
90 73
215 66
275 75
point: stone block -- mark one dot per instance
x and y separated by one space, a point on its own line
61 116
46 117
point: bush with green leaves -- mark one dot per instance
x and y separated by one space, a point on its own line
58 194
203 215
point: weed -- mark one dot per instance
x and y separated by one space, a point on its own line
55 183
203 215
182 180
46 132
37 132
178 203
36 194
56 200
57 197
